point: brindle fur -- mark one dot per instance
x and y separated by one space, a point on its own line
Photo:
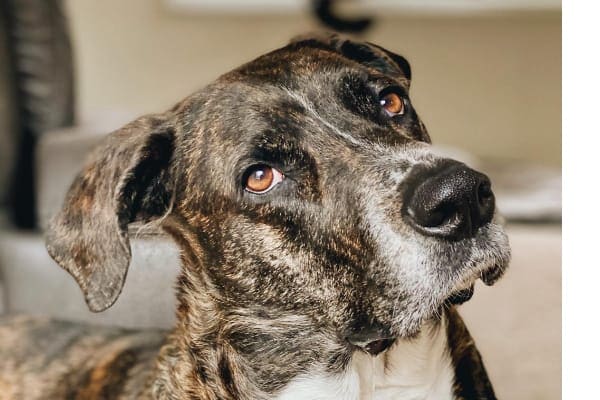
271 285
44 359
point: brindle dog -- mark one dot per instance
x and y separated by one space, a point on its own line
323 244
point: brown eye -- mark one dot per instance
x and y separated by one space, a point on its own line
262 178
392 103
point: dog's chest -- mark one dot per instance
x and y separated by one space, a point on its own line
415 370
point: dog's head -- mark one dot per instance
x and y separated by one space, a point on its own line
302 182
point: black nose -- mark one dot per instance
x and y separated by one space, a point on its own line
452 201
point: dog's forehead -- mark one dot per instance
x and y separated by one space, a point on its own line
308 61
289 80
283 65
300 75
306 100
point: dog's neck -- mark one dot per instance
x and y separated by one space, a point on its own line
285 355
419 368
199 360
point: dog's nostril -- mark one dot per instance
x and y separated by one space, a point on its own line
442 215
484 192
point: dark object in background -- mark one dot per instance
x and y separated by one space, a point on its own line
8 118
324 11
37 88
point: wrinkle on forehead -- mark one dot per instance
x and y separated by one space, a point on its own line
313 112
344 134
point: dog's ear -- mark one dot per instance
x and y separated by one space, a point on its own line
365 53
128 179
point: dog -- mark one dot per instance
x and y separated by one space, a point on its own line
324 244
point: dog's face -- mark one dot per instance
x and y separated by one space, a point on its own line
302 183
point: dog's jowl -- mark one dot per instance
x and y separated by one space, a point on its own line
323 243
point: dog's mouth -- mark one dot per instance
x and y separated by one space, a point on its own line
378 346
488 276
461 296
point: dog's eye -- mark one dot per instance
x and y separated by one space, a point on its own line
262 178
392 103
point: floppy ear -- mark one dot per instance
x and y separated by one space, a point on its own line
365 53
126 180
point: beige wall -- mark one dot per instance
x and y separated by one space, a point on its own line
489 84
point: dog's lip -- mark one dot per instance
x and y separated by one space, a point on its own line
461 296
375 347
464 292
491 275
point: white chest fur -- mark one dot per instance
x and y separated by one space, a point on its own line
419 369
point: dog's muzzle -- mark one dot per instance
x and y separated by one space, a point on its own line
450 201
